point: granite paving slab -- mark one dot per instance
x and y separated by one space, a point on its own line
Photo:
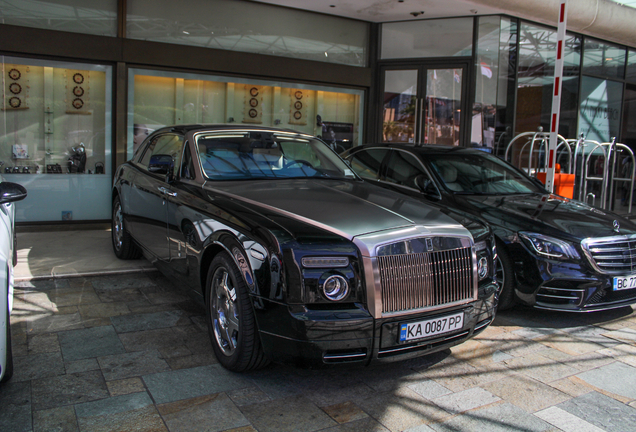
525 392
616 377
503 417
402 409
345 412
15 407
366 425
623 335
565 421
150 321
430 389
60 419
126 365
209 413
49 323
292 414
466 400
91 342
83 365
68 389
43 343
163 338
188 383
247 396
125 386
37 366
123 281
602 411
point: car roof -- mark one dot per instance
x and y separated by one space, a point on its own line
424 149
185 128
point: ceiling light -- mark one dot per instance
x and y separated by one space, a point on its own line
186 32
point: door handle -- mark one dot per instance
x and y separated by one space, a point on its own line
167 191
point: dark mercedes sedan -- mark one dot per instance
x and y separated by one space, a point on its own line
294 257
553 252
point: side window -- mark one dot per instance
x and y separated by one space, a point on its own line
168 144
403 169
187 165
367 163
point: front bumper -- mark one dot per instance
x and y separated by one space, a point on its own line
317 338
565 286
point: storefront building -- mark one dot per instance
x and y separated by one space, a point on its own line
84 82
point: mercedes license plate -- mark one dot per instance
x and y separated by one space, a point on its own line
431 327
624 282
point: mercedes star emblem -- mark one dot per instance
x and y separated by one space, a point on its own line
617 226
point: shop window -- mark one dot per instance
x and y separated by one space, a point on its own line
165 98
427 38
77 16
55 138
249 26
600 108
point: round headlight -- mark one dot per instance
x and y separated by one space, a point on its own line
335 288
482 268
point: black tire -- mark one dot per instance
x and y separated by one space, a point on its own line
505 278
123 244
8 369
231 321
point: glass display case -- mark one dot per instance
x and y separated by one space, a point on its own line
55 124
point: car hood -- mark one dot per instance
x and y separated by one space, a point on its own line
348 208
546 214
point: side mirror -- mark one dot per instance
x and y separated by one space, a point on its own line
10 192
426 185
161 164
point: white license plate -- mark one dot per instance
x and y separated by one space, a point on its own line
431 327
624 282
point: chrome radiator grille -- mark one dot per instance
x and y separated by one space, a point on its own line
613 255
429 279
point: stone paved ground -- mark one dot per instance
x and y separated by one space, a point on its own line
124 353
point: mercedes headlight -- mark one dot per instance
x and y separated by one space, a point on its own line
549 246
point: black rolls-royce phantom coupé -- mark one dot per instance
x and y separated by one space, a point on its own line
295 258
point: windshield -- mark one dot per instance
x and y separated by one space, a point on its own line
257 155
480 173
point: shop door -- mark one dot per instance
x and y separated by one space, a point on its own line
424 104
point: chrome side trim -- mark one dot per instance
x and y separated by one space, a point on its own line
343 356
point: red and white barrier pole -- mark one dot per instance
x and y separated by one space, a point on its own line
556 96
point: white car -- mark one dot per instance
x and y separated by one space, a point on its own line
9 192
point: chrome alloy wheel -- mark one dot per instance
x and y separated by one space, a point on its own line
118 227
223 306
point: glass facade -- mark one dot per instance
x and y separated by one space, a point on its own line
96 17
427 38
600 113
602 59
249 27
55 137
158 98
535 80
491 122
